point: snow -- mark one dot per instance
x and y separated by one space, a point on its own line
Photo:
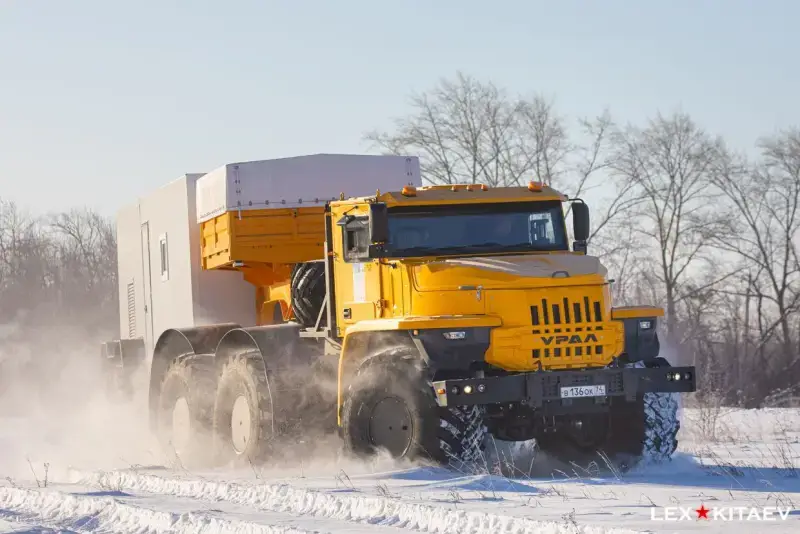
104 474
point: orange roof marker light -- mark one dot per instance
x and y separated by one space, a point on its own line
484 187
469 188
535 187
409 191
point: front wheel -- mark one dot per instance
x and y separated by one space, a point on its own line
646 431
391 407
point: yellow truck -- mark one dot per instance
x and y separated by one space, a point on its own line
335 293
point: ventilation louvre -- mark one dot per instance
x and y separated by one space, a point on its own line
131 311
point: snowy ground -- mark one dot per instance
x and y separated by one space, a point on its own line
103 474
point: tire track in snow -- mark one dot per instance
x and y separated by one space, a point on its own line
105 514
358 509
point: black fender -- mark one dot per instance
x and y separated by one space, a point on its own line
288 359
362 347
179 341
290 364
279 345
458 358
641 344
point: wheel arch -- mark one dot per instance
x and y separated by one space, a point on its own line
276 343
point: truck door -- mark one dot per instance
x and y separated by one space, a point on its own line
357 278
148 290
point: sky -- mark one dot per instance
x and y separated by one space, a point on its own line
102 101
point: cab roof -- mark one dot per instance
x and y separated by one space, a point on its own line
462 194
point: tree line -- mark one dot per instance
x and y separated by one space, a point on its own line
58 272
681 220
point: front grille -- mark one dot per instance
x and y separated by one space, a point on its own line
567 317
566 312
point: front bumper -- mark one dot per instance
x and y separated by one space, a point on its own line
536 389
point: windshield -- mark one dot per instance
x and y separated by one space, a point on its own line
480 228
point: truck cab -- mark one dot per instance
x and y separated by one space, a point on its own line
511 320
500 254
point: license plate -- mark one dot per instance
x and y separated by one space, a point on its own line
572 392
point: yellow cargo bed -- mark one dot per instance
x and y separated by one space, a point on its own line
264 236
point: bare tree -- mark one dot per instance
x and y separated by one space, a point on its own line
53 267
669 167
468 131
591 159
25 262
86 247
764 234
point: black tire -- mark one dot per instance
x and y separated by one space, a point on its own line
662 427
646 431
243 376
308 292
390 405
190 378
461 437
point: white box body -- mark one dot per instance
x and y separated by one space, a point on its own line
153 299
301 181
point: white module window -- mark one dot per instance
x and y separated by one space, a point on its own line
162 245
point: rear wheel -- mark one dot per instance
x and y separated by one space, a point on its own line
390 406
242 416
185 407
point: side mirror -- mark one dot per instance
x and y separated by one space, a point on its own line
580 225
378 223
